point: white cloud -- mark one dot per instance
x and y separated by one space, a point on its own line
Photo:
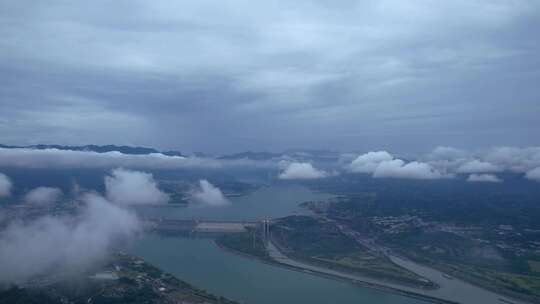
43 195
490 178
64 244
515 159
476 166
534 174
382 164
5 185
208 194
398 169
301 171
54 158
367 163
127 187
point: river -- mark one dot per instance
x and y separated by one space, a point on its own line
200 262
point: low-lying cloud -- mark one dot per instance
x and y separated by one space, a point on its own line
483 178
55 158
128 187
446 162
397 168
297 170
207 194
514 159
476 166
43 196
382 164
62 244
5 185
367 163
534 174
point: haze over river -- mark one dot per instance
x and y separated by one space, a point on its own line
200 262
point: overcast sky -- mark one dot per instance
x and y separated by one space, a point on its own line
223 76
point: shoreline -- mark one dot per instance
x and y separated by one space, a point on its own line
464 277
354 282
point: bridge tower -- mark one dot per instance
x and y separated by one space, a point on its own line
265 230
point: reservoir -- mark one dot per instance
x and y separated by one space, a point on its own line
200 262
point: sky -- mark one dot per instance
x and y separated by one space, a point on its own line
227 76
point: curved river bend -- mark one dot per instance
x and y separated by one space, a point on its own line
200 262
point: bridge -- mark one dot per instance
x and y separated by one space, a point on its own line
205 226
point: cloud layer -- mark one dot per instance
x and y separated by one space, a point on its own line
272 78
54 158
446 162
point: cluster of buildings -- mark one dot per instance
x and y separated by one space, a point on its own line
398 224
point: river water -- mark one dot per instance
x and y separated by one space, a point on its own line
200 262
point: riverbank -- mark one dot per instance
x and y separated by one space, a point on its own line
342 278
456 273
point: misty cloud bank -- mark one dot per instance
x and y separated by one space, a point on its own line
43 196
442 162
486 178
397 168
5 185
446 162
476 166
128 187
297 170
71 243
207 194
54 158
534 174
382 164
56 245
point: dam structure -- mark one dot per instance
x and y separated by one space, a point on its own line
201 226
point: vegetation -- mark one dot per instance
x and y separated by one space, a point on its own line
321 242
479 263
250 243
16 295
483 233
137 282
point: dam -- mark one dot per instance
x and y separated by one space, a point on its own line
199 226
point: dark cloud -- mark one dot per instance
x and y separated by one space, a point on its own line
267 76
